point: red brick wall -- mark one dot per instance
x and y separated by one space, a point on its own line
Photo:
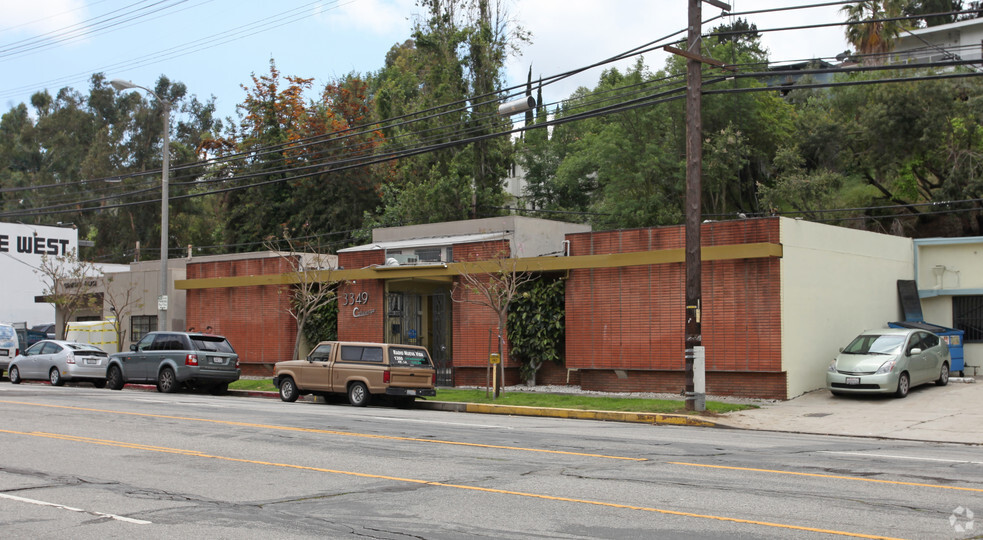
361 321
476 376
551 373
254 319
768 385
475 327
632 318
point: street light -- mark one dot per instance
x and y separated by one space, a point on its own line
121 85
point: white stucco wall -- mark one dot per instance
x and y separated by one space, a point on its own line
21 249
935 43
835 283
947 267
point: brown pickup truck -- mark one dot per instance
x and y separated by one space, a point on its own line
359 370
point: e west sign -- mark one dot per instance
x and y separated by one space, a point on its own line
22 247
36 245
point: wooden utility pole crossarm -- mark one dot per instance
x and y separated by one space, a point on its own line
697 57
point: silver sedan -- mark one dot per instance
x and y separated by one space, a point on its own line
60 361
892 361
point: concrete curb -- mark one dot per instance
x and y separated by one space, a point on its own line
510 410
513 410
578 414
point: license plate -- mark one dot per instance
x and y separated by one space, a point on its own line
411 392
218 361
91 361
4 352
853 380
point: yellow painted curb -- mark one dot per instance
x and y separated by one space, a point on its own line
612 416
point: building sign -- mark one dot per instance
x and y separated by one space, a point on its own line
35 245
21 249
357 300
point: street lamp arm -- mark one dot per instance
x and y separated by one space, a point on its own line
120 85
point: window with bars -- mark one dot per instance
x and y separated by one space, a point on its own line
967 315
428 254
140 325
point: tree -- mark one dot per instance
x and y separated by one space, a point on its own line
926 7
869 32
627 169
451 69
805 191
69 284
493 284
308 154
90 146
121 300
312 288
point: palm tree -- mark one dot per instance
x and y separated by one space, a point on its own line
870 34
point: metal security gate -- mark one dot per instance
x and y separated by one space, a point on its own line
423 320
440 325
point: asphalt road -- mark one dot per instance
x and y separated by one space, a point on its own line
78 462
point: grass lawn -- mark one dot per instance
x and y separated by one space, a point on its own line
536 399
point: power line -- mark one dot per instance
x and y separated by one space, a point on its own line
83 29
644 101
310 170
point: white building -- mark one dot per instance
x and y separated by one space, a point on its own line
21 250
945 42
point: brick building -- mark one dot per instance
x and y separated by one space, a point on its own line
780 296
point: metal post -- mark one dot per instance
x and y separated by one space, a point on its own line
121 85
694 155
164 214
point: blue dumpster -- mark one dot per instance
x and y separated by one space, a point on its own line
912 306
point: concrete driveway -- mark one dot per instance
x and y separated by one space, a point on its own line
953 413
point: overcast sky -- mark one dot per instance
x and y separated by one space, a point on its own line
213 46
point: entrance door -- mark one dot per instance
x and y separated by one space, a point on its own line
423 319
405 317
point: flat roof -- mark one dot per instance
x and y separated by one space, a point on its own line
428 242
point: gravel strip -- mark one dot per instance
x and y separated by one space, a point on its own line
577 390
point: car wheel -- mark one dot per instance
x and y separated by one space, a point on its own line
904 384
99 383
114 378
14 375
219 389
358 394
167 381
288 390
55 377
943 375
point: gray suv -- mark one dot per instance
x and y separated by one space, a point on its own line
173 359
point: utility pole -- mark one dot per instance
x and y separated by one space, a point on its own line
695 356
694 172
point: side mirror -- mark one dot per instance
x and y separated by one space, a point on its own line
133 347
916 350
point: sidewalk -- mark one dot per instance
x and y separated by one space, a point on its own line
953 413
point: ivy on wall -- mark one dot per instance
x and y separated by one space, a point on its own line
536 326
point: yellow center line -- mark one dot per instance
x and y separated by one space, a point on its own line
817 475
327 431
193 453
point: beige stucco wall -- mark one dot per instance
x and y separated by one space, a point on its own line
836 282
960 262
530 237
